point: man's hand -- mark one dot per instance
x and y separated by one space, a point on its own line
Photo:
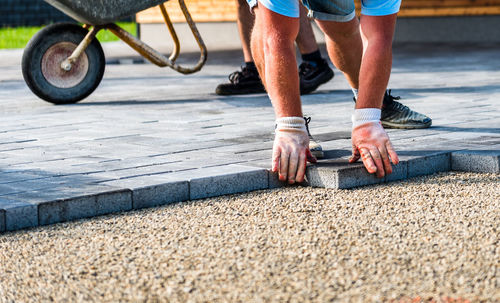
291 149
371 143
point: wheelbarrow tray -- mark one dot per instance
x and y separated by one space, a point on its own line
100 12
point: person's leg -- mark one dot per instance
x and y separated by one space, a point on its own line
245 23
274 54
314 70
345 47
246 80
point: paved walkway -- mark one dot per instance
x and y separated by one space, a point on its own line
149 136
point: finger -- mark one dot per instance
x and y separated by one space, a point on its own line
283 172
355 155
292 166
301 170
276 159
378 162
392 153
385 159
368 161
310 157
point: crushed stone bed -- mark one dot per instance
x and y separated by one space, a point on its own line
428 237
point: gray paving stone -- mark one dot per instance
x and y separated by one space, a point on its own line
399 172
2 220
339 174
223 180
428 163
66 210
18 214
154 190
482 161
112 202
273 179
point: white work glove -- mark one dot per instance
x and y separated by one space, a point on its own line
371 143
291 149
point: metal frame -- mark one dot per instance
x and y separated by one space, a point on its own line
145 50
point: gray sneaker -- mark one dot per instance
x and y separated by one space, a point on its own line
397 115
314 147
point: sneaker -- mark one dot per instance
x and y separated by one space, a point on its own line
246 81
313 75
314 147
397 115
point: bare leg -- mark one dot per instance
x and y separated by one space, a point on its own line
345 47
274 54
245 24
305 39
377 33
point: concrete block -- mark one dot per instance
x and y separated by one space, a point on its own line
66 210
427 164
112 202
399 172
224 180
154 190
17 214
481 161
2 220
339 174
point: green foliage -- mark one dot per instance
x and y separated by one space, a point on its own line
18 37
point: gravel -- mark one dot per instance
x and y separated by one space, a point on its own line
430 237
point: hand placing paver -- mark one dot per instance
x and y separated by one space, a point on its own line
428 237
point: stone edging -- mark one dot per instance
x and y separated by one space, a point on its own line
46 207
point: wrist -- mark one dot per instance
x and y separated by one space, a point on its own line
365 115
291 124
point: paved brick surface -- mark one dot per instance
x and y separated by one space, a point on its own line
149 136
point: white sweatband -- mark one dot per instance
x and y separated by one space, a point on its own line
291 123
365 115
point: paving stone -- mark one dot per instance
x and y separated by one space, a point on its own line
112 202
18 214
482 161
2 220
339 174
69 209
223 180
399 172
154 190
428 163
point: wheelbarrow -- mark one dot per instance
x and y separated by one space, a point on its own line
64 63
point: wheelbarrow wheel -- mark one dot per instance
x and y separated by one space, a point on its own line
42 58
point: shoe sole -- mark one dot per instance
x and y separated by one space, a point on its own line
406 126
318 154
322 81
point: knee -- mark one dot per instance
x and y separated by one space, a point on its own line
279 41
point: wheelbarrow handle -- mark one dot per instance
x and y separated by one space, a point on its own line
156 57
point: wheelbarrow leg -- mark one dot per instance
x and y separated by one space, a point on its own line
67 64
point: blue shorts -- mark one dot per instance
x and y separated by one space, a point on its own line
330 10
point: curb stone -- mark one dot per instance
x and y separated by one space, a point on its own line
41 207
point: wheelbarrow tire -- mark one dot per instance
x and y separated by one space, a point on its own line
41 64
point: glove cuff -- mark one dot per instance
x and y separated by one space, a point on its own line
365 115
291 124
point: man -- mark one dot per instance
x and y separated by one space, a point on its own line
313 71
362 50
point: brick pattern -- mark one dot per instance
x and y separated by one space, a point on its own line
200 10
225 10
